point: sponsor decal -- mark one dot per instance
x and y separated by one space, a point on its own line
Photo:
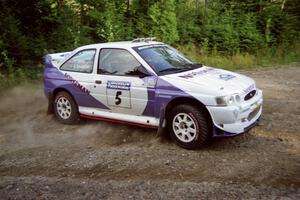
226 77
144 47
197 73
118 94
248 89
77 84
118 85
149 46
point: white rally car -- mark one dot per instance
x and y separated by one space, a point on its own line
150 84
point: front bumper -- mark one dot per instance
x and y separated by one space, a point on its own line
234 120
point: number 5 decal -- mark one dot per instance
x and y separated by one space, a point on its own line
118 94
118 99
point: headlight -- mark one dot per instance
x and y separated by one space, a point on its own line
234 99
237 98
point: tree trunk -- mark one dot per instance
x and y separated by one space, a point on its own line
205 9
283 4
81 20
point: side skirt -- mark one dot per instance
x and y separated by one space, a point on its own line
117 121
142 121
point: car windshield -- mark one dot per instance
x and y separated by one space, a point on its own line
165 59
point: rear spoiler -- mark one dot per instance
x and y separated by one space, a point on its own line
58 58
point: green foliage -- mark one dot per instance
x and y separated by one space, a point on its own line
244 60
250 39
231 33
187 22
163 21
109 23
7 63
221 33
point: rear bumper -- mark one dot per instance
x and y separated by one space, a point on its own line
235 120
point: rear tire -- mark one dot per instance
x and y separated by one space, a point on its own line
65 108
188 126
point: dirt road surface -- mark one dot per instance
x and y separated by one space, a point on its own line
43 159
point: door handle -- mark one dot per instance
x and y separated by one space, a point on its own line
98 81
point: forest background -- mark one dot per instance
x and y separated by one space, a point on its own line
231 34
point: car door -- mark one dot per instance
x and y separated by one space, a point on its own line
77 71
119 83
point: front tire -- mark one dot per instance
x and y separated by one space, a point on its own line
188 126
65 108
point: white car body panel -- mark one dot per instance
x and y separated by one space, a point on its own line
152 121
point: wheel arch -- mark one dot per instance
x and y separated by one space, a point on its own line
191 101
52 95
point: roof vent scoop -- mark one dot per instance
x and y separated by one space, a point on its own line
149 39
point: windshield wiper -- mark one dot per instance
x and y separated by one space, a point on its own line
186 68
193 65
172 69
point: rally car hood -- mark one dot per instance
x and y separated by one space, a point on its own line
211 81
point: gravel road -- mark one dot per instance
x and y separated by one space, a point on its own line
43 159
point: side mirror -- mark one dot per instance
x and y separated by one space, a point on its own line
142 72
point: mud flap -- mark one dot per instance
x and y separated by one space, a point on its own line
50 109
162 129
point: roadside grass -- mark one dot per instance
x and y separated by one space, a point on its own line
263 58
19 76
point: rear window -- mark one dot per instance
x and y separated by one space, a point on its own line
83 62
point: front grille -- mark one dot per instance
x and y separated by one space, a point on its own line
250 95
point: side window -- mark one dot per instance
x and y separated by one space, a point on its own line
117 62
83 61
